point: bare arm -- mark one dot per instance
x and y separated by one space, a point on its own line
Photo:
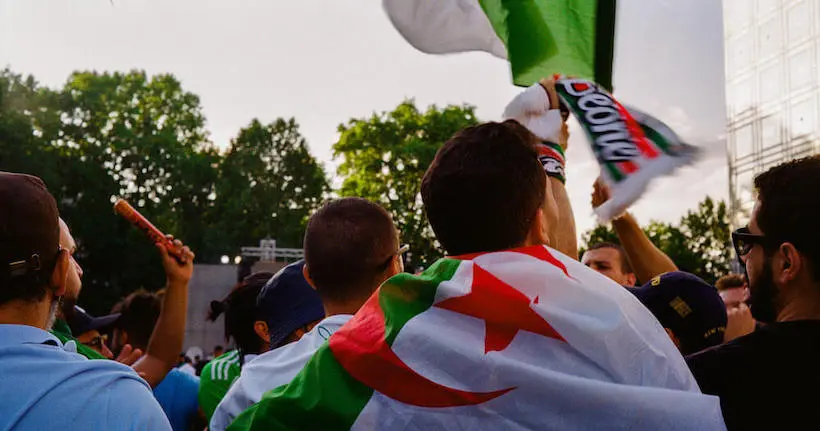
166 341
647 260
563 237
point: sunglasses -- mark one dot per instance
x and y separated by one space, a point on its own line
97 342
744 241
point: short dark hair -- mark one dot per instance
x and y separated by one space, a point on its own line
483 188
347 242
241 312
730 281
139 313
626 267
790 206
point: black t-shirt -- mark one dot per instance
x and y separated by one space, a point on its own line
769 379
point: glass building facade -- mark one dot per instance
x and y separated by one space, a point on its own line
772 54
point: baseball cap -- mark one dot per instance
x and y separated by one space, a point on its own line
687 305
29 228
287 302
82 322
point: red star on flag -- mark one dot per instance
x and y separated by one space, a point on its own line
504 310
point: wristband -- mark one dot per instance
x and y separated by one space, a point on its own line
552 160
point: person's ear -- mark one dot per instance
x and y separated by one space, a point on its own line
788 264
631 279
306 274
59 277
261 329
539 230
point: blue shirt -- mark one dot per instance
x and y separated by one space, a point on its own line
43 387
177 394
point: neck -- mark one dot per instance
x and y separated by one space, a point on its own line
36 314
802 304
333 308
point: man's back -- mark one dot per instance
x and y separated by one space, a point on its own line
43 387
271 370
767 379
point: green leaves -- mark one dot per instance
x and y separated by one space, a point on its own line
384 158
144 139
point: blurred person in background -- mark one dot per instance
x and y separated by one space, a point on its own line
246 325
734 290
91 331
689 308
140 316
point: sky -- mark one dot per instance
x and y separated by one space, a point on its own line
327 61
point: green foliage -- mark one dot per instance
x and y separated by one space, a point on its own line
699 244
274 184
143 138
384 158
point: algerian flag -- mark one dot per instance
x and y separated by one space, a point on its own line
539 37
514 340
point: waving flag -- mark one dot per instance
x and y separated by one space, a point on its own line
519 339
539 37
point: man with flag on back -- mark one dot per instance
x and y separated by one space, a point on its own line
507 332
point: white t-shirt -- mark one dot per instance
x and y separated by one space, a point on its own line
187 369
271 370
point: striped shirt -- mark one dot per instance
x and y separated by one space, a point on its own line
216 378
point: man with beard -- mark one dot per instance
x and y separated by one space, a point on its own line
766 380
161 351
44 384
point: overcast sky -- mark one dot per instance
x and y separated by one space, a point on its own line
326 61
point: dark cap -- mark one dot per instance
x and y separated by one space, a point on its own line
29 228
287 302
82 322
687 305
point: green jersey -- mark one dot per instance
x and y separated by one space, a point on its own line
215 380
61 330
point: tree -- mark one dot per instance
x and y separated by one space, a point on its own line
384 158
709 233
699 244
268 186
143 139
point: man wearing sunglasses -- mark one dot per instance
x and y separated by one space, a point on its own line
351 248
767 379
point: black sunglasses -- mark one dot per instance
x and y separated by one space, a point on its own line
744 240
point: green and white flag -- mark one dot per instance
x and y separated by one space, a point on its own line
520 339
538 37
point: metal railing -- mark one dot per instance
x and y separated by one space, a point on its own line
267 251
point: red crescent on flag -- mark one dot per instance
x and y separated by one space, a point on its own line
361 348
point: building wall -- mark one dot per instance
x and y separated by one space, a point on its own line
772 89
208 283
213 282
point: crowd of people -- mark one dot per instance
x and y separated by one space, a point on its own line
751 340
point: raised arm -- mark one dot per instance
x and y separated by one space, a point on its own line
563 237
647 260
166 341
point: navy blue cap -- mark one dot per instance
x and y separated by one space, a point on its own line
287 302
687 305
82 322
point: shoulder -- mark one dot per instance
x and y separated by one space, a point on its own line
224 367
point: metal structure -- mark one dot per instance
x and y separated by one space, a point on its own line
267 251
772 52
